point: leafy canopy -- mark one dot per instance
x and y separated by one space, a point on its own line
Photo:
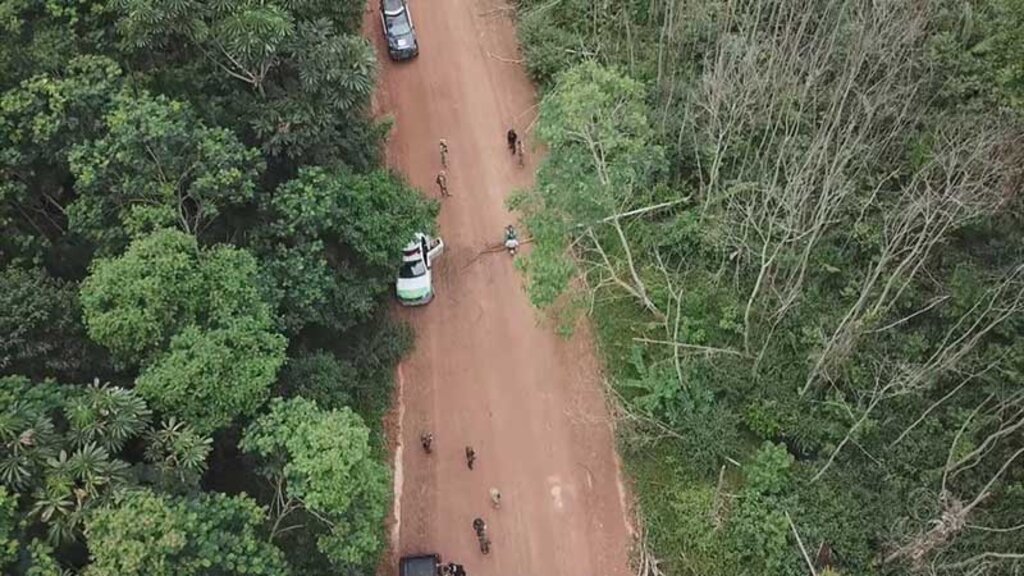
333 241
8 527
141 533
602 160
40 318
59 446
299 73
372 214
134 304
41 119
208 377
156 165
194 319
325 460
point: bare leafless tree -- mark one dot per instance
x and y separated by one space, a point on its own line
962 182
956 510
1001 301
824 93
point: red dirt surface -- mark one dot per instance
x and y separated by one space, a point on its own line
487 370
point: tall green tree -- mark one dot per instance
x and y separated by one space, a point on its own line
8 527
41 36
41 119
194 319
320 462
208 377
141 533
298 73
601 166
135 303
64 449
106 416
27 430
177 456
60 448
344 232
371 214
41 319
156 165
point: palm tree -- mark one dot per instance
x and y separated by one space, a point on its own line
106 415
178 453
74 483
27 439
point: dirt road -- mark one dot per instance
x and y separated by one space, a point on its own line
487 371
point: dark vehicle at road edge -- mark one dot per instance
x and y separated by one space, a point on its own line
399 31
420 565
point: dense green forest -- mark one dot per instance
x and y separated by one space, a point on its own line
797 225
197 242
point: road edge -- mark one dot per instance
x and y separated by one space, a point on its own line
398 478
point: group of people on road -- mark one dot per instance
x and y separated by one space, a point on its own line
442 176
452 569
479 526
515 145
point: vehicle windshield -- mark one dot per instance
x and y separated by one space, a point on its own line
398 25
412 269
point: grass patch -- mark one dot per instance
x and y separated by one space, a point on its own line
674 483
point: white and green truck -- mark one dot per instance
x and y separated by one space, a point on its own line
415 283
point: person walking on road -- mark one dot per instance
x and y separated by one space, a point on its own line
427 440
470 456
520 153
511 137
495 498
480 527
443 146
442 183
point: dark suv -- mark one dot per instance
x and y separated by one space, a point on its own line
422 565
398 29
